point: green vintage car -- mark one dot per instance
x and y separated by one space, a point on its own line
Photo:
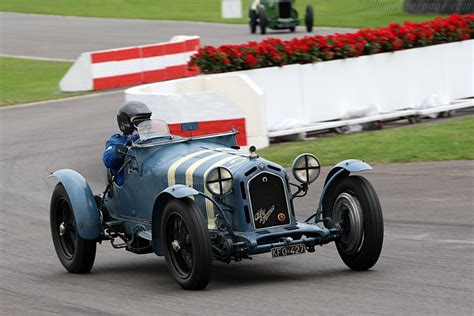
277 15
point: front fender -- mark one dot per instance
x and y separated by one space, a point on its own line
177 191
83 204
337 173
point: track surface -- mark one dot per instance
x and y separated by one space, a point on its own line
66 37
426 265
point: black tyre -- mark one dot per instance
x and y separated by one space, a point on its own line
252 20
309 18
292 29
357 210
262 20
77 255
186 244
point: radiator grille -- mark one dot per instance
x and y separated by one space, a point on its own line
268 200
285 9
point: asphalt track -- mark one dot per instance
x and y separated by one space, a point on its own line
66 37
426 265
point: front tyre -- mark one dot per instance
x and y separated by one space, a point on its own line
186 244
262 20
356 209
309 18
77 255
253 20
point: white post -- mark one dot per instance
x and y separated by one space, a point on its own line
231 9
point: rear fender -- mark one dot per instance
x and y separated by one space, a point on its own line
178 191
83 204
338 172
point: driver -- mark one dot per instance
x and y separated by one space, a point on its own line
129 115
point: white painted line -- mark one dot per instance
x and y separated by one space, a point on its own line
65 99
36 58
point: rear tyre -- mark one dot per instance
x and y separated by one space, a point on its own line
252 20
356 209
77 255
186 244
262 20
309 18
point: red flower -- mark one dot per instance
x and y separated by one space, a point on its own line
276 52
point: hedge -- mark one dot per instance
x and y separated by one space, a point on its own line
275 52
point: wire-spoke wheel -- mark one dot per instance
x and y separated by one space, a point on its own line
77 255
186 244
356 209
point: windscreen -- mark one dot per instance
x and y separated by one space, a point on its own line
152 129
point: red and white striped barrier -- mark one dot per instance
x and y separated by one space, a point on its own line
128 66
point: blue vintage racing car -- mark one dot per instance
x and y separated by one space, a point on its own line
198 199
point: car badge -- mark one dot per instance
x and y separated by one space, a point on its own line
262 215
281 217
264 179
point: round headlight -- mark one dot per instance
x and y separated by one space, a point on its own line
219 181
306 168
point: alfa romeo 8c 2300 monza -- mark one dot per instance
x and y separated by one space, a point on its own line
198 199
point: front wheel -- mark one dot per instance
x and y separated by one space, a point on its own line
309 18
252 20
77 255
186 244
262 20
356 209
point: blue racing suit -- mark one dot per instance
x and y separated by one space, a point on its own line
114 160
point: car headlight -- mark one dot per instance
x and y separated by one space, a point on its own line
306 168
219 181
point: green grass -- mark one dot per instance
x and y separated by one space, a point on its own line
341 13
25 80
453 140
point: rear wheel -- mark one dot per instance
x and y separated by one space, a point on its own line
186 244
309 18
262 20
356 209
77 255
252 20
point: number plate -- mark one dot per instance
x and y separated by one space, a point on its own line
288 251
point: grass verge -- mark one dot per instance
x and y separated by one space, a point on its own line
340 13
453 140
25 80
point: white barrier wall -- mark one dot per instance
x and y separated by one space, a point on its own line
390 81
279 98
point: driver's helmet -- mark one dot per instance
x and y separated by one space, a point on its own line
130 114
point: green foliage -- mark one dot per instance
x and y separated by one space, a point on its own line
24 80
341 13
453 140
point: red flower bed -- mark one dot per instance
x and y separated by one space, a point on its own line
275 52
